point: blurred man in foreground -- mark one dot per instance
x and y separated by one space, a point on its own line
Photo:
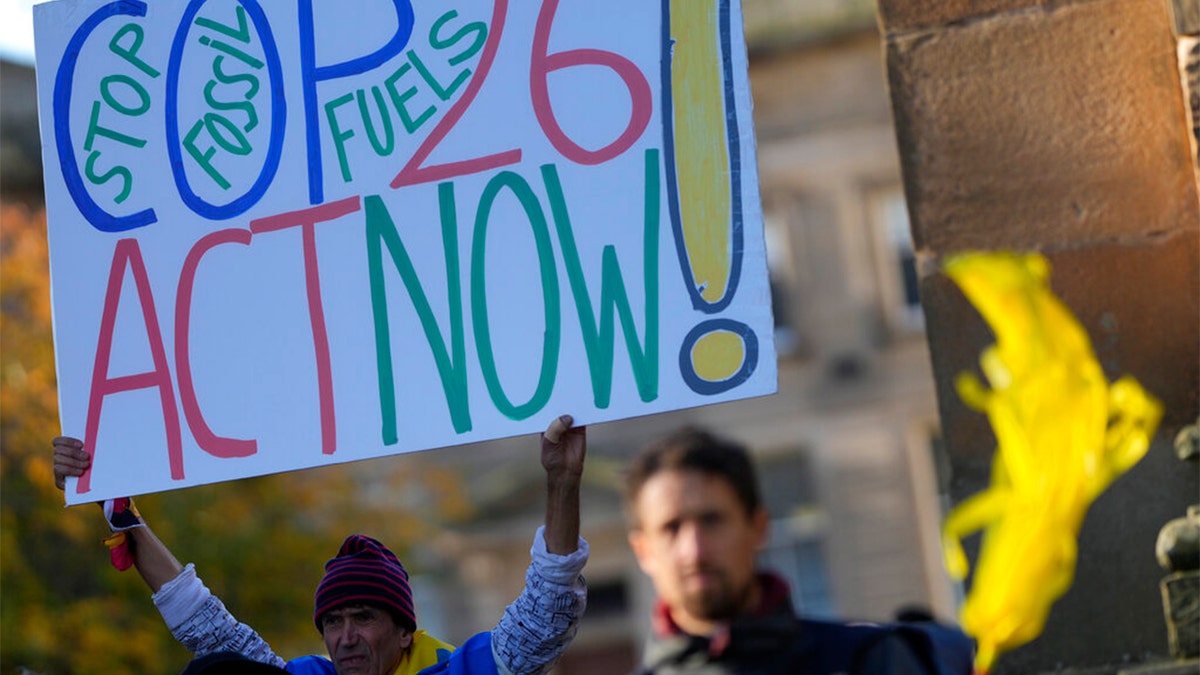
696 525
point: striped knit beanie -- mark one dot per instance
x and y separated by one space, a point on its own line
365 572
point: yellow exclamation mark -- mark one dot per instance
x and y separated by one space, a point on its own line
704 188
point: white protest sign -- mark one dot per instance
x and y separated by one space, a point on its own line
285 235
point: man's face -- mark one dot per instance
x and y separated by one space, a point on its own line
698 546
364 640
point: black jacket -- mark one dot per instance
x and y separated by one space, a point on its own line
774 641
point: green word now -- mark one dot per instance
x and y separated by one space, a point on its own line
450 353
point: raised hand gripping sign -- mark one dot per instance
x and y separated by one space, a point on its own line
285 235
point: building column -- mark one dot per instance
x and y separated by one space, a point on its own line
1062 126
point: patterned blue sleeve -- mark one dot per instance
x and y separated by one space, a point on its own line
541 622
199 620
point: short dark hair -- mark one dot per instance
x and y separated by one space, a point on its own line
694 449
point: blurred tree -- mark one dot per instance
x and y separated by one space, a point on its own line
260 543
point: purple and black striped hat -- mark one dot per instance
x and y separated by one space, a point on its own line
365 572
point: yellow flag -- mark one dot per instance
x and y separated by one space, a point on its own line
1063 435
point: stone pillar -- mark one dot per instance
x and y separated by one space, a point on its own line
1178 552
1062 126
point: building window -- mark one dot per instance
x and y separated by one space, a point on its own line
796 553
779 266
795 549
607 599
896 262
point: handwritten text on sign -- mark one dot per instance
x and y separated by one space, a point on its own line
291 234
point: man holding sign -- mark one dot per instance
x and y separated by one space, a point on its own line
363 605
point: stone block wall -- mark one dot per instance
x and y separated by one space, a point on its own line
1062 127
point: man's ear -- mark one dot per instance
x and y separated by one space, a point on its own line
637 542
406 638
759 523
